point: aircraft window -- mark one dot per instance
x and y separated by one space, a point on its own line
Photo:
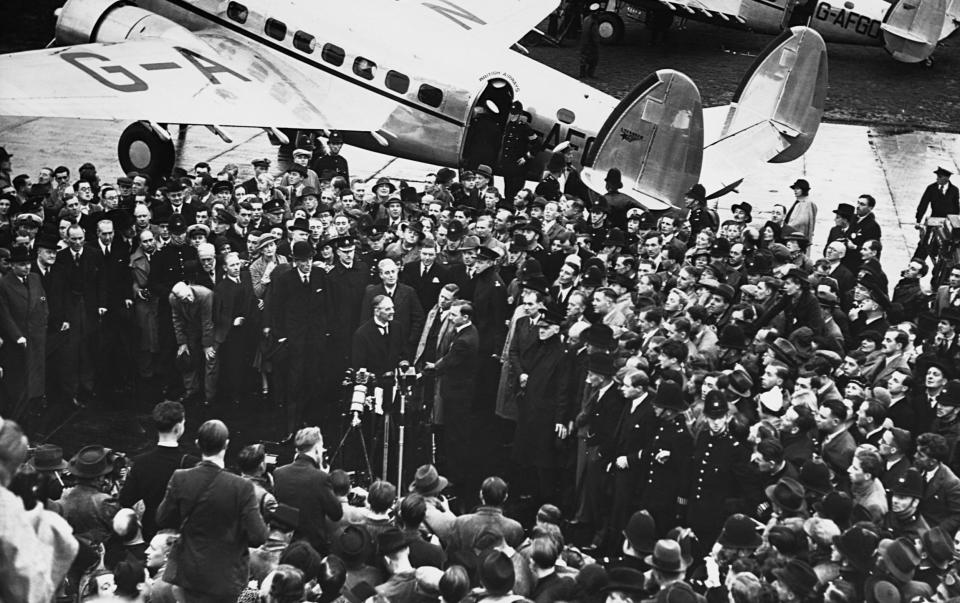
364 68
429 95
565 116
304 41
237 12
397 82
332 54
275 29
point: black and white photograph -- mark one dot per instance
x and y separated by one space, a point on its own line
480 301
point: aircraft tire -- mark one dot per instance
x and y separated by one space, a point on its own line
611 27
140 149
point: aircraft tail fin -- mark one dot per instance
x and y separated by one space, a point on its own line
912 28
655 138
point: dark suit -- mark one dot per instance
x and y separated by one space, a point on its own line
23 313
304 485
234 343
408 315
428 284
940 204
864 229
456 385
374 351
940 504
490 315
116 348
634 430
664 483
61 371
300 315
217 522
87 294
347 286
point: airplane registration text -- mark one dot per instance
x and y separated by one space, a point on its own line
847 19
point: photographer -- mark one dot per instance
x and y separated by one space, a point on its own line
253 467
89 506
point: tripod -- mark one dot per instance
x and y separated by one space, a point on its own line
353 428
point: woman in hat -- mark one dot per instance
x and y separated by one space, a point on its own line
771 232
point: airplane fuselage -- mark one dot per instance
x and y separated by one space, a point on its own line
432 111
840 21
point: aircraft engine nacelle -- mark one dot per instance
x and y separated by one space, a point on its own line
85 21
911 29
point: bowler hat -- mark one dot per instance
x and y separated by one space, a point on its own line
845 210
48 457
625 580
303 251
670 396
787 494
90 462
20 254
601 363
427 481
353 542
900 558
600 336
496 573
740 532
392 540
667 557
799 577
801 184
942 172
301 224
47 241
641 532
858 546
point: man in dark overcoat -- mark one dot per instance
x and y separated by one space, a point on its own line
23 328
233 316
408 315
490 318
456 370
542 404
300 318
61 382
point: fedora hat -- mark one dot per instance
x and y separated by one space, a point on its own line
470 242
670 396
90 462
48 457
801 276
666 557
938 545
641 532
858 545
740 532
900 558
787 494
799 577
784 350
625 580
353 542
427 481
745 208
740 384
601 363
600 336
485 170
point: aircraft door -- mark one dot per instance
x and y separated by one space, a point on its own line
486 121
791 5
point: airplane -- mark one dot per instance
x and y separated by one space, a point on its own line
367 69
909 30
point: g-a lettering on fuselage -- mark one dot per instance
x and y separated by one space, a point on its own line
560 133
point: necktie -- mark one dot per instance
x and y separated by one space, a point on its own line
76 259
108 250
384 331
306 279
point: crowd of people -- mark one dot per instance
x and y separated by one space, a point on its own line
711 408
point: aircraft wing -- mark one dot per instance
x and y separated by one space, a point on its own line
221 81
452 24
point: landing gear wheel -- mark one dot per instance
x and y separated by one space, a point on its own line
140 149
610 27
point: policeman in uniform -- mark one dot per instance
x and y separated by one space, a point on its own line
718 470
699 217
376 250
519 147
332 164
666 458
170 266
